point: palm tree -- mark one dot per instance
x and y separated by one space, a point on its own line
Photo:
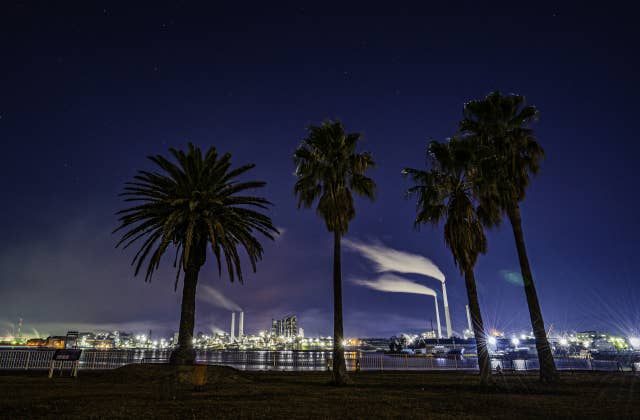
508 154
445 192
329 171
190 205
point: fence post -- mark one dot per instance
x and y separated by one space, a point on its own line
26 365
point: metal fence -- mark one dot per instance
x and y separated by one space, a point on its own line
34 359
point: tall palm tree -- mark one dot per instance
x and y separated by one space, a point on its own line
445 192
191 205
329 171
508 154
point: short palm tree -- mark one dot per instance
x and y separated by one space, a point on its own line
330 171
507 155
445 192
191 205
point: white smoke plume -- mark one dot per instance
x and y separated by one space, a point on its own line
213 297
392 283
389 259
216 330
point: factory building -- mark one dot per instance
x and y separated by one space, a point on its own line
286 327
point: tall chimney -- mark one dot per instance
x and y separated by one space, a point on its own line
435 299
241 325
447 317
469 318
232 337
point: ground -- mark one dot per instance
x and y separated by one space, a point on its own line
147 391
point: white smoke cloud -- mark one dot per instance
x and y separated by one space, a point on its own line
213 297
216 330
389 259
392 283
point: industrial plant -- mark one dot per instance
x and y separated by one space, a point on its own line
285 334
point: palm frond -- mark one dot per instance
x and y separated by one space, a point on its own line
329 171
190 202
443 192
507 152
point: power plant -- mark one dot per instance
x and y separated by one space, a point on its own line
388 260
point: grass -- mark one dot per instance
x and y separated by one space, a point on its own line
147 391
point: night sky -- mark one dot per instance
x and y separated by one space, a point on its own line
87 93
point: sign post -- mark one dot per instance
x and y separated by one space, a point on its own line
66 355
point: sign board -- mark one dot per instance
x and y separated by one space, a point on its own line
67 355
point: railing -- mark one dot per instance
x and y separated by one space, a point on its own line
34 359
25 359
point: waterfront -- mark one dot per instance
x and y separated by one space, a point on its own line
38 359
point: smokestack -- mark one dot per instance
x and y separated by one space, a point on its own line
241 325
447 317
469 318
232 337
435 299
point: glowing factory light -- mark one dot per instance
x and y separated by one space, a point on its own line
492 341
515 341
635 342
563 341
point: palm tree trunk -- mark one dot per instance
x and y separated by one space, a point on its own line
484 362
184 353
548 371
339 365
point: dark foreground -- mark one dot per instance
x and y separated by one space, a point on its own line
147 391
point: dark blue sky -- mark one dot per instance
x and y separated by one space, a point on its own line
87 93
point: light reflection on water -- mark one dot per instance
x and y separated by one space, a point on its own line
321 360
